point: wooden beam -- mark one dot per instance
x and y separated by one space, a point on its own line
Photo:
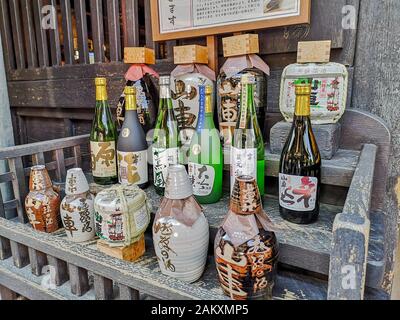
7 39
114 30
68 35
96 10
212 45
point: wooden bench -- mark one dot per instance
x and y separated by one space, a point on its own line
342 256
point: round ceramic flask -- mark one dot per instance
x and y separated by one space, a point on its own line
77 208
180 230
246 253
42 204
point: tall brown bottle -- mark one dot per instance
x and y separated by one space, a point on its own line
300 165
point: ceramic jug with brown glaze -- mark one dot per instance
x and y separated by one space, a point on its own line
246 250
42 203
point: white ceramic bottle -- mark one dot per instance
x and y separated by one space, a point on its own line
77 208
180 230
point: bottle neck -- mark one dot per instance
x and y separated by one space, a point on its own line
205 120
302 108
130 103
247 109
101 93
165 92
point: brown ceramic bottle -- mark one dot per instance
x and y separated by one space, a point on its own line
42 203
246 250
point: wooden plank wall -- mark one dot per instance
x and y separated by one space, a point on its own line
62 97
376 89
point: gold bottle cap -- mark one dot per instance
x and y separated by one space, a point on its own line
100 81
209 90
303 89
130 90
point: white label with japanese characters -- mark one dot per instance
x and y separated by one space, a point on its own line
133 167
142 218
202 178
162 159
298 193
243 163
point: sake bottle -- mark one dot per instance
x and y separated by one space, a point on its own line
206 165
166 142
103 138
300 165
248 151
132 145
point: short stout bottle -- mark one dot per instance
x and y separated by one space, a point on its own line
206 164
132 145
300 165
248 150
166 141
103 139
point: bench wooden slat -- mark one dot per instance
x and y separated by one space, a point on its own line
19 186
41 36
2 208
103 288
60 170
20 254
60 269
81 26
351 230
45 146
114 29
6 294
5 248
38 260
77 156
54 36
6 177
29 33
96 10
79 280
5 27
16 27
67 31
38 159
52 166
130 17
126 293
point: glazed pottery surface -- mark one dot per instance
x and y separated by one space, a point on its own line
42 204
181 250
77 208
247 272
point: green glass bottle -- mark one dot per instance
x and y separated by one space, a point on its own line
248 150
132 145
206 164
166 142
103 139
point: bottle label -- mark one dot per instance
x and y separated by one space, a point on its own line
243 162
142 218
202 178
133 167
104 162
298 193
162 159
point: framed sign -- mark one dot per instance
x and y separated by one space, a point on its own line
176 19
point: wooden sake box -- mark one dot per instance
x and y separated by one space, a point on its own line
314 51
241 45
136 55
190 54
129 253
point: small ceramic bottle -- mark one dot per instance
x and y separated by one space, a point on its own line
77 210
246 251
42 204
180 230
